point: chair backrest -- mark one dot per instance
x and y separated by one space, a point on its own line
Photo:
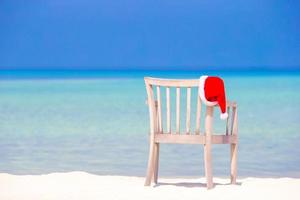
154 86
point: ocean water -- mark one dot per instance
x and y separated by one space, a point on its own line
99 124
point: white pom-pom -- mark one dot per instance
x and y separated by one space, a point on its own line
224 116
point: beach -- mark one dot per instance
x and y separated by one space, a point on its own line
82 185
86 138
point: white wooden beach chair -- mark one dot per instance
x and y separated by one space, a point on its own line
207 138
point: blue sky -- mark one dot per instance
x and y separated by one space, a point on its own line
165 34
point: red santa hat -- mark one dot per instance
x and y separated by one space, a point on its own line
212 92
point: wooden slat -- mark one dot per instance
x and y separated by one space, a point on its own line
235 122
156 162
160 127
198 114
172 82
188 110
207 146
178 110
168 110
233 116
151 105
234 148
233 163
180 139
194 139
152 133
227 120
151 159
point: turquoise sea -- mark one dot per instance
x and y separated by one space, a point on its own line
97 122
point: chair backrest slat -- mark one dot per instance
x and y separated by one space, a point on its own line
159 116
198 115
178 110
168 110
227 120
188 110
233 119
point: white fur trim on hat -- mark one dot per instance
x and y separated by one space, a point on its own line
223 116
202 93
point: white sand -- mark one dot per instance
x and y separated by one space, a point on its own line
81 185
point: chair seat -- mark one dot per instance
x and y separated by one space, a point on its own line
194 139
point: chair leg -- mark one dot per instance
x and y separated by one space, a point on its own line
208 165
156 162
233 163
150 164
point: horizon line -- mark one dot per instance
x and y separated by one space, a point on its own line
175 68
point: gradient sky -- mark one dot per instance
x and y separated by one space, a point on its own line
164 34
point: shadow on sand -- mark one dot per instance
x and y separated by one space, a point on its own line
191 184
